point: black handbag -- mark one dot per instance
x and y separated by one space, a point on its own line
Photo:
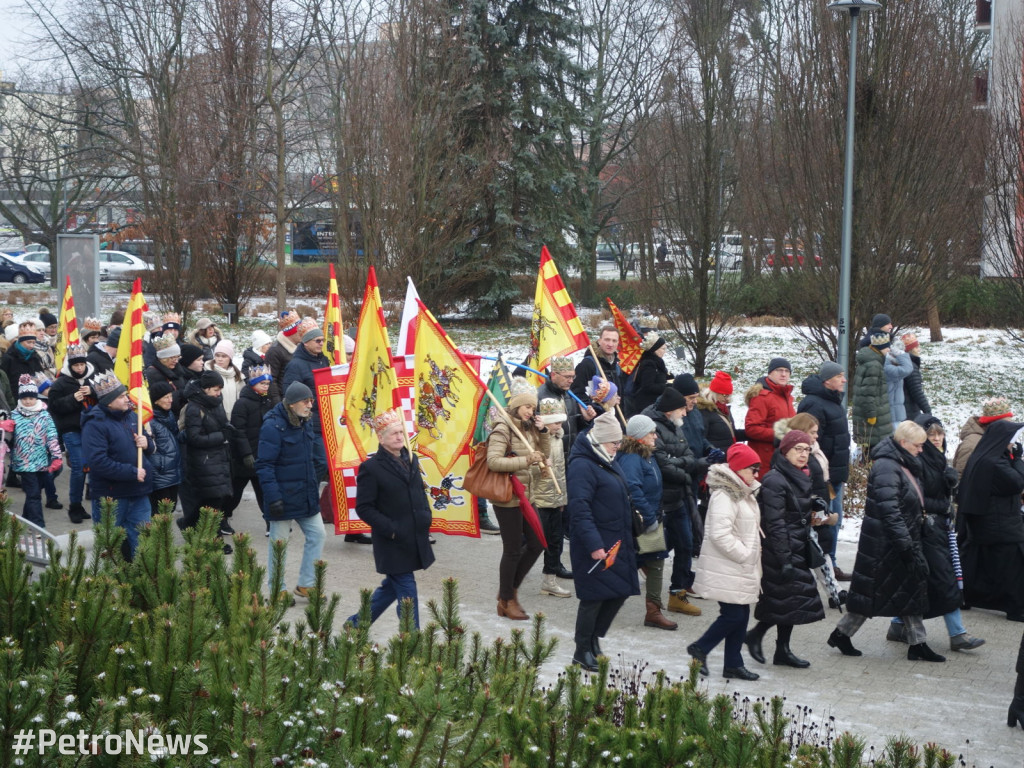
815 557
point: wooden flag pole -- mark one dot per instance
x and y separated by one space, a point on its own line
521 436
140 432
600 370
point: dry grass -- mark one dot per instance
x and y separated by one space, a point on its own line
767 320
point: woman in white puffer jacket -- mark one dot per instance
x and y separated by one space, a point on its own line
729 567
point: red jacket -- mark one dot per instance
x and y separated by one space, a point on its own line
766 407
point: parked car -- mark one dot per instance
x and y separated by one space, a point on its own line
13 272
117 263
38 260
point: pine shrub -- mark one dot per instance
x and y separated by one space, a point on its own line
183 641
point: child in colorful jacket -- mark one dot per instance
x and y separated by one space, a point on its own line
36 451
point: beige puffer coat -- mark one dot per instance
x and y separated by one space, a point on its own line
503 442
546 493
729 566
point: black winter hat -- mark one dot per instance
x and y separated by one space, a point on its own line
211 379
47 319
686 384
671 400
880 320
779 362
159 389
189 354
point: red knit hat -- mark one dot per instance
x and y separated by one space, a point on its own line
793 438
721 383
740 456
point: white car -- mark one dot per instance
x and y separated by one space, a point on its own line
116 263
40 262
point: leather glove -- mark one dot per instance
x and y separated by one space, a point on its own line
818 504
787 574
1016 451
230 429
275 510
55 466
249 462
716 456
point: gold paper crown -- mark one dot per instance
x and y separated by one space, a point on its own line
77 352
385 420
172 317
152 321
163 343
92 324
104 384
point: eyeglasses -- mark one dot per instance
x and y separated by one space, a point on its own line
318 341
801 448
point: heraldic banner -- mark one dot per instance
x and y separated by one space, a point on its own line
454 509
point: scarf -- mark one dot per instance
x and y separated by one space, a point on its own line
31 410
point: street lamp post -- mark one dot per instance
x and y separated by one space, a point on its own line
853 7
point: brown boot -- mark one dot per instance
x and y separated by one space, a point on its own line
510 609
655 618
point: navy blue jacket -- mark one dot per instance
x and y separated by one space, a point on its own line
291 462
110 455
391 499
599 515
167 458
300 368
826 405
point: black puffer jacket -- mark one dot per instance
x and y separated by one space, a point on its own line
826 406
991 487
785 501
937 482
650 377
100 360
719 427
65 409
914 399
207 440
250 359
247 416
676 461
175 376
883 583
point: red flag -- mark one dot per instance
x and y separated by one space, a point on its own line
630 340
609 559
529 513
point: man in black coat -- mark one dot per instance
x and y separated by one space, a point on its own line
608 345
823 399
391 498
308 357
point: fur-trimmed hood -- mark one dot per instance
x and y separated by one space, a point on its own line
720 477
632 445
755 389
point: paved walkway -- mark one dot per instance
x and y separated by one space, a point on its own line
960 705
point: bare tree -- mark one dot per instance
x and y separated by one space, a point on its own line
916 190
49 166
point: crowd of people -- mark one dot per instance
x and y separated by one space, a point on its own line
631 470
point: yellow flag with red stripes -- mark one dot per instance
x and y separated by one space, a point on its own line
334 344
67 333
556 329
128 367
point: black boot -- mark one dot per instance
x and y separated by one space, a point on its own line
1016 714
753 642
786 658
695 651
838 640
595 646
584 657
921 652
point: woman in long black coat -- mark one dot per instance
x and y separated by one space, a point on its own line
207 436
789 594
600 517
252 406
990 509
938 479
890 574
650 376
392 500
